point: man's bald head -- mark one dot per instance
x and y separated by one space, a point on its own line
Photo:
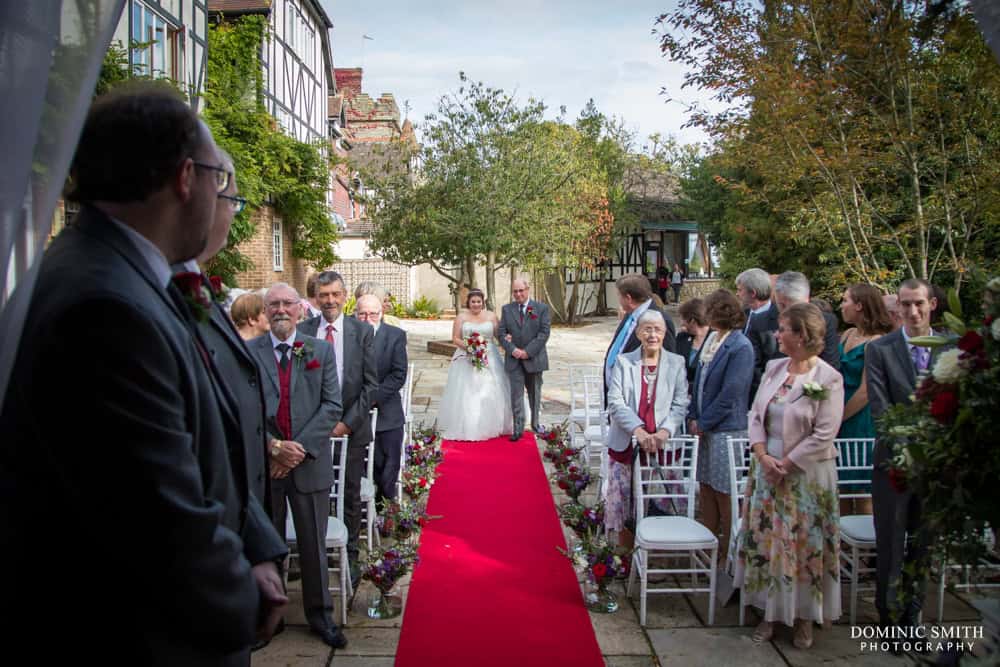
520 290
369 309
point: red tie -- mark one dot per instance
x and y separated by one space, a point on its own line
329 334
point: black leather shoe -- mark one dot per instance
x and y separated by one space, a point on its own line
331 636
514 437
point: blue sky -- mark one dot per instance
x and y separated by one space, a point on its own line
559 51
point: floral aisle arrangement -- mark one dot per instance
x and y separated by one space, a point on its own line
422 453
944 443
475 347
572 479
561 453
403 520
585 521
384 568
599 562
417 482
555 435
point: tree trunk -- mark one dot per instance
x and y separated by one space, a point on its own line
574 297
491 279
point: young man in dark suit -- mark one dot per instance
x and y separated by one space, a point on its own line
354 349
139 438
523 333
892 365
303 404
634 297
390 356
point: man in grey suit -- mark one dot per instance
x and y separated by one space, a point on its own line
792 287
524 330
390 353
303 404
893 365
354 349
114 337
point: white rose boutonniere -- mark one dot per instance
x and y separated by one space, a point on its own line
815 391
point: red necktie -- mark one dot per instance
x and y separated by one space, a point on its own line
329 334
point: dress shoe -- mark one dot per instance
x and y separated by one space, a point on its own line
331 636
514 437
536 428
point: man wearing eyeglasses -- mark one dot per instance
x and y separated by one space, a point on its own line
139 444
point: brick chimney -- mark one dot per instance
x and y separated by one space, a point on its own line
348 80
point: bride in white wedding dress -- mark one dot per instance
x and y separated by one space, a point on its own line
476 403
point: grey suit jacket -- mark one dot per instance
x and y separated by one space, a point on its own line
531 335
315 406
390 351
670 403
360 381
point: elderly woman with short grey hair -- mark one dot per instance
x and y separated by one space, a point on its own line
647 400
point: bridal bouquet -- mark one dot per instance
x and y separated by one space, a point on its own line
475 345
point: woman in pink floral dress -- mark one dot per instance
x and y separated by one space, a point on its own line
789 544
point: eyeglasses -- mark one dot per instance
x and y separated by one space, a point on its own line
287 303
222 176
236 203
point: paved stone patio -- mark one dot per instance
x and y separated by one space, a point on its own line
676 632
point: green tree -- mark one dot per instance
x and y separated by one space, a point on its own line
862 131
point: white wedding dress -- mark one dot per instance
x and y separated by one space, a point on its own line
476 403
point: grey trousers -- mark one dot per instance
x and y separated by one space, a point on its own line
309 515
519 381
897 519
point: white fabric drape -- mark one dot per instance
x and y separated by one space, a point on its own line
50 56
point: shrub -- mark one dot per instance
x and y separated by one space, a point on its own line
423 309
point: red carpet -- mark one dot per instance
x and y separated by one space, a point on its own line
491 588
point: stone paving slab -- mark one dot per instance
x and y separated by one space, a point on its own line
718 647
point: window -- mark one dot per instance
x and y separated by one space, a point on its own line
157 44
291 24
277 249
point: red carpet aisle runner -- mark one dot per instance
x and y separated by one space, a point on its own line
491 588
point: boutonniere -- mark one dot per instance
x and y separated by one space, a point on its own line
815 391
300 350
219 291
313 364
197 296
530 312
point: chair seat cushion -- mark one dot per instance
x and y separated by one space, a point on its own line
858 528
336 532
655 531
367 490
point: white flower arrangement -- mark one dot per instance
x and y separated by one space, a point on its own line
948 369
995 329
815 391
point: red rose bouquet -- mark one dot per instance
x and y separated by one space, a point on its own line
475 347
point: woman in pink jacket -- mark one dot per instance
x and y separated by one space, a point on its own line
789 541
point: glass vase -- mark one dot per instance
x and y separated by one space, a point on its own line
599 598
384 604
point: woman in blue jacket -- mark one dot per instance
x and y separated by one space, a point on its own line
719 408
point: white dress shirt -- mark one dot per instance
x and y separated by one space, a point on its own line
275 342
338 342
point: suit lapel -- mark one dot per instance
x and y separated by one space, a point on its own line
798 383
266 356
904 359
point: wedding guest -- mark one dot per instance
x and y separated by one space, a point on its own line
303 403
310 306
357 375
792 287
862 308
390 357
753 287
372 287
634 298
822 304
788 547
249 316
662 282
719 409
891 303
892 365
647 399
691 338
